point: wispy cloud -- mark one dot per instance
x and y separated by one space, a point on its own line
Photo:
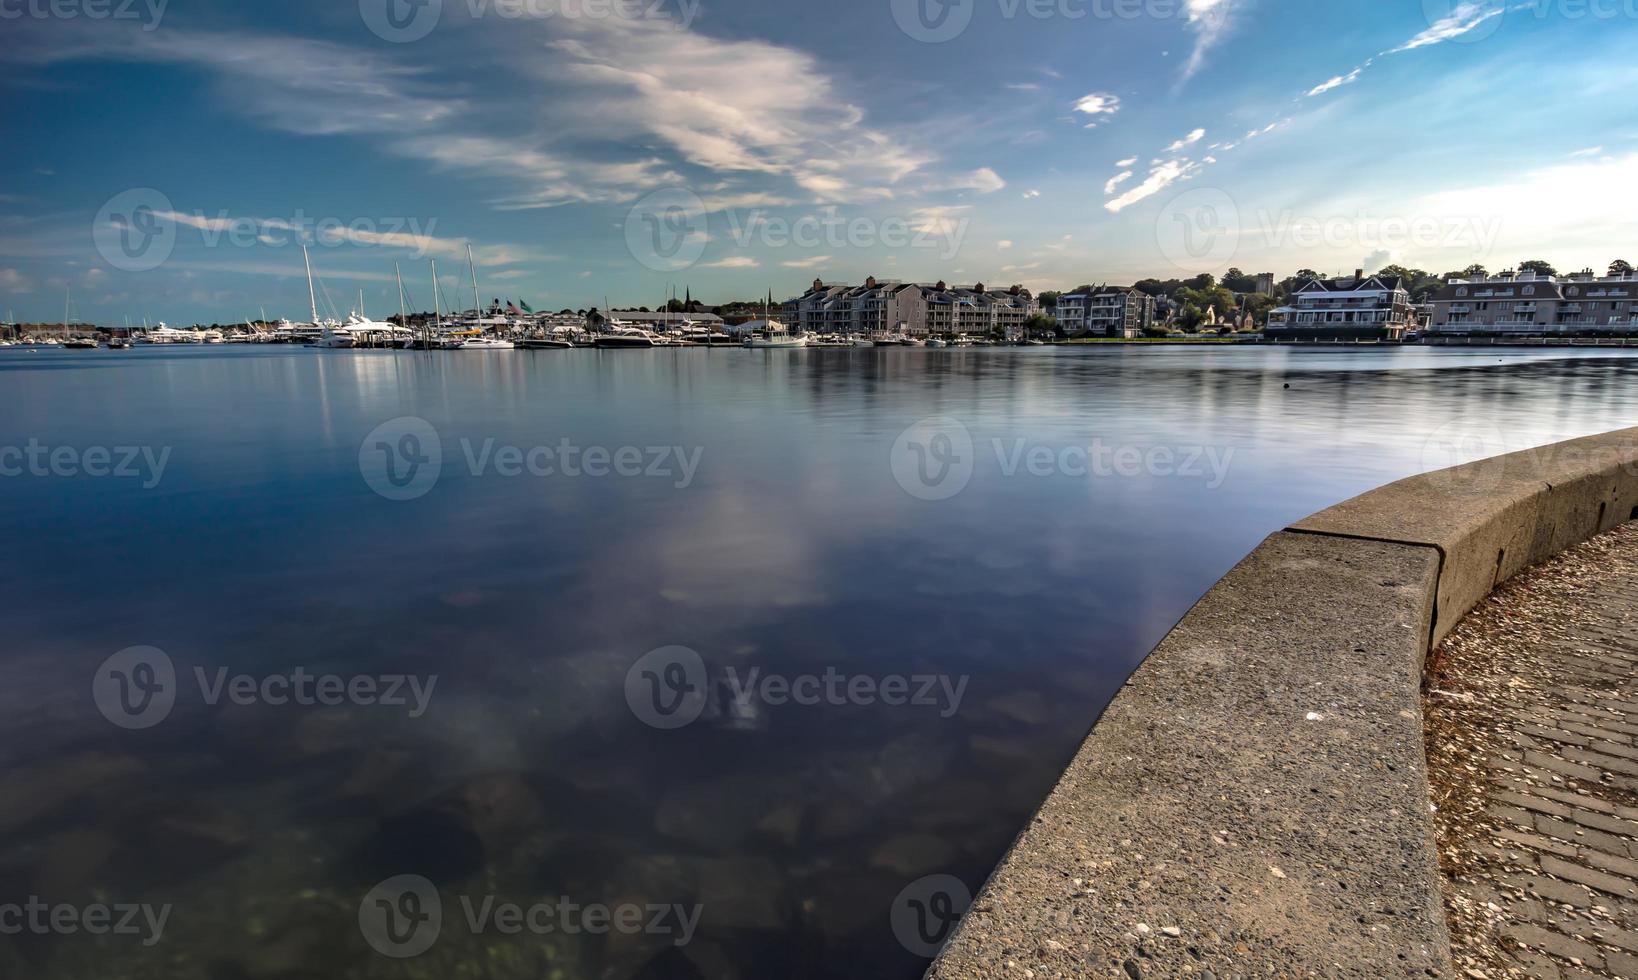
1116 181
1465 18
809 263
1164 175
1187 141
1211 21
732 262
1338 81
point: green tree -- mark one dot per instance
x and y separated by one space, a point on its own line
1049 300
1621 267
1040 323
1540 267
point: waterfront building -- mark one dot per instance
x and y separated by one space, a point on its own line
1107 311
915 309
1525 304
1357 307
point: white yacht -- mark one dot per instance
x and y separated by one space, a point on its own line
335 338
623 337
163 334
485 343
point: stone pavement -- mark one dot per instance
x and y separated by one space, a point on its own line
1532 738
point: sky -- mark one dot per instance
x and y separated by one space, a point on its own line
166 160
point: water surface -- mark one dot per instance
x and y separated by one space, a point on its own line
800 544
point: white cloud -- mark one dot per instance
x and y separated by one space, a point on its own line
1468 16
984 180
1128 162
1336 82
13 281
1024 86
1098 104
732 262
811 263
1116 181
1187 141
1004 244
1031 194
1161 177
1211 21
1590 151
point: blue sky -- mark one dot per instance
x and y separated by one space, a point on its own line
165 159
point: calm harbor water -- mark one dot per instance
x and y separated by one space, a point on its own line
793 514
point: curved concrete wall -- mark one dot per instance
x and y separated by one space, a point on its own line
1254 801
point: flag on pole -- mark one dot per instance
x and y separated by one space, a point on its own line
526 307
512 309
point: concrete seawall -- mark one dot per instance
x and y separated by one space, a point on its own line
1254 801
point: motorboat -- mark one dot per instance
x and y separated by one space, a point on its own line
335 338
627 338
772 335
485 343
937 342
80 343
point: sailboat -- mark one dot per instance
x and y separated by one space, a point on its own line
479 342
74 343
773 335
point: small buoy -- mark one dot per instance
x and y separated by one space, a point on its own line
1288 384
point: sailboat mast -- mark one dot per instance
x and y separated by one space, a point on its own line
67 292
437 315
477 304
312 298
403 314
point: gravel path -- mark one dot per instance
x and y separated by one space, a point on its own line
1532 732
